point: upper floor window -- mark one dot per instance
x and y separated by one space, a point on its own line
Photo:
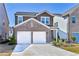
20 19
64 17
3 23
45 20
56 24
73 19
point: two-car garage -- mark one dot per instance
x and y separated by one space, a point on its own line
28 37
32 31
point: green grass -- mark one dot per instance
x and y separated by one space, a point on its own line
74 48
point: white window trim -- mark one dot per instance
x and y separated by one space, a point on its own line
75 17
18 19
45 19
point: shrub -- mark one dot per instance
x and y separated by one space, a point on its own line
12 40
58 43
54 43
61 42
73 38
55 39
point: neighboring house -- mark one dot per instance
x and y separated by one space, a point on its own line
69 24
73 22
33 27
4 23
10 31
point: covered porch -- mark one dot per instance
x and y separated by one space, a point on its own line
54 32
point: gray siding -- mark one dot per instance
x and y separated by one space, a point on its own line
74 27
4 28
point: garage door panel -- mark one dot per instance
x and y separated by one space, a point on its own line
23 37
39 37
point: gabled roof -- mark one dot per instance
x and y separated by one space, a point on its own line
33 20
57 14
26 13
71 10
44 12
33 14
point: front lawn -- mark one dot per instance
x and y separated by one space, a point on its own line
74 48
5 54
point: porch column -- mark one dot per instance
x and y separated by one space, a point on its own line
56 35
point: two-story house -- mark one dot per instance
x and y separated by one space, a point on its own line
35 27
42 27
4 23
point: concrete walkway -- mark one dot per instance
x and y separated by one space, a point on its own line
44 50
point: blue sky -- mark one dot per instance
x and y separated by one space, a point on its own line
35 7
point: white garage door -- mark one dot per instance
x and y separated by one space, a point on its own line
39 37
23 37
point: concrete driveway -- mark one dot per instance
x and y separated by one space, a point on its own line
44 50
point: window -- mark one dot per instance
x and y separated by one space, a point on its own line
64 17
56 24
73 19
45 20
3 23
20 19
